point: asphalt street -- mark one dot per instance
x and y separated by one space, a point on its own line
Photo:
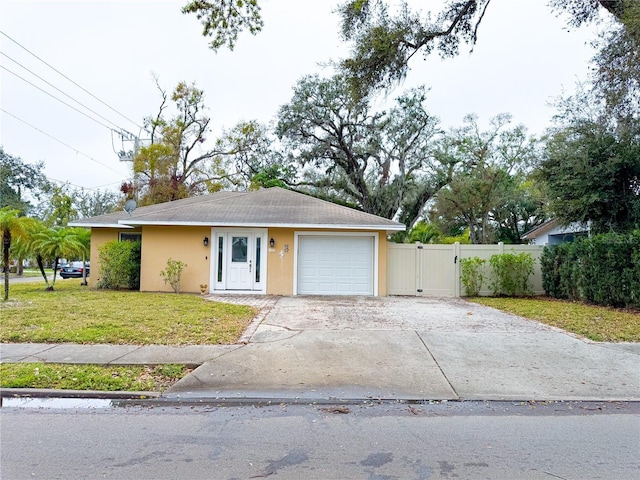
461 440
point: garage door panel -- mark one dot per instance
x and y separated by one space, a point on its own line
335 265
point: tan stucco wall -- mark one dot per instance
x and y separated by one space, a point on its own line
179 243
280 267
186 244
382 264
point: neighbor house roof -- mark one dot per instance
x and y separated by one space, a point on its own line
540 229
552 224
272 207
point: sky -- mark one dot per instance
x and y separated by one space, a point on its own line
525 57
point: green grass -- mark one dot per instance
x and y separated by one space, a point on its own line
76 314
90 377
596 323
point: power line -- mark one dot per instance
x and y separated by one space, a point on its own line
56 88
77 85
56 98
61 142
66 182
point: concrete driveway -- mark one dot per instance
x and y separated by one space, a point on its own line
410 348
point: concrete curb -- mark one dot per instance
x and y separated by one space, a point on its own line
159 399
51 393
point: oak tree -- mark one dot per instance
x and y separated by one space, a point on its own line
382 162
487 194
20 183
591 166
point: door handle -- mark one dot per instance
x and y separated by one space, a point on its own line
249 266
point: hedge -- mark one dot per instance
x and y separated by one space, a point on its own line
120 265
511 272
603 270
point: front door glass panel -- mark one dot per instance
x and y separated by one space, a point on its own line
220 256
239 249
258 259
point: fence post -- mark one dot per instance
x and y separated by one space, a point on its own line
456 269
419 248
500 248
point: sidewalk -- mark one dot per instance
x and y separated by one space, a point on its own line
111 354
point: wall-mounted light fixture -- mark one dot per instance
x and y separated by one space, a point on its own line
272 243
205 242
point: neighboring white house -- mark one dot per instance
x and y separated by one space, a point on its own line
552 233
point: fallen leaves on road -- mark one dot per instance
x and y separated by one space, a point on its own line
336 410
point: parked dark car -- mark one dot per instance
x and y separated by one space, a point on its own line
73 270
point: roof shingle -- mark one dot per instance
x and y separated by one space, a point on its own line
261 208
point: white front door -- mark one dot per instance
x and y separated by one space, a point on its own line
240 260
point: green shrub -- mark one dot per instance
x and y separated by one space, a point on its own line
119 265
603 269
472 275
511 272
173 273
463 239
550 266
611 270
561 271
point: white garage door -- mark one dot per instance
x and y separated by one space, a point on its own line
335 265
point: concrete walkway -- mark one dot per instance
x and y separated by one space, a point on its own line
404 348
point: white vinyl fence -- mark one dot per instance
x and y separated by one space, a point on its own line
418 269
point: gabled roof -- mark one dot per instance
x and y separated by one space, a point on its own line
554 224
540 229
272 207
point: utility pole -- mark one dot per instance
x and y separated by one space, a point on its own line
128 155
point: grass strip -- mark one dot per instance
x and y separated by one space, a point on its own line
90 377
76 314
600 324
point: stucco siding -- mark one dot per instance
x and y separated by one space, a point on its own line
280 262
178 243
159 243
382 264
99 236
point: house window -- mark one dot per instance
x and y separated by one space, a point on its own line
220 243
130 237
258 239
239 249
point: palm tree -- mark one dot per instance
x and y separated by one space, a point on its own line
37 228
20 250
11 226
84 236
57 243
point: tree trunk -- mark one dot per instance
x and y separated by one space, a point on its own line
41 267
6 243
84 272
55 271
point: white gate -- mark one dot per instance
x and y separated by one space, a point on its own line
418 269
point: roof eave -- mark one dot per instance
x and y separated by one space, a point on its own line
333 226
540 229
99 225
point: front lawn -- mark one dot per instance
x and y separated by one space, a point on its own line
76 314
90 377
600 324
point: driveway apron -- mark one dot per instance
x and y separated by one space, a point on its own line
410 348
